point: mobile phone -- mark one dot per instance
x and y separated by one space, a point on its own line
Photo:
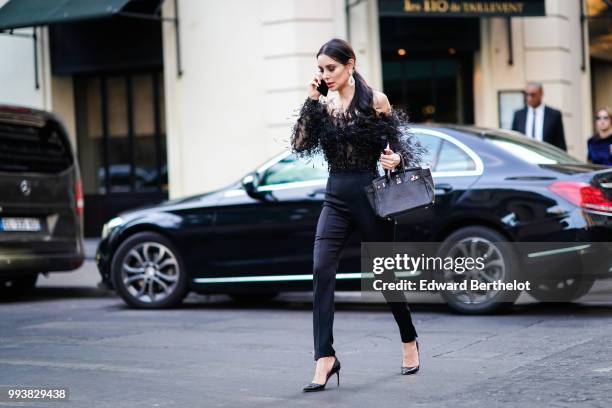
322 88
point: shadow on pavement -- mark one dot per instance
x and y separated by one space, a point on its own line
57 293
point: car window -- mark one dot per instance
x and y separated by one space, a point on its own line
452 158
293 169
432 144
33 147
532 151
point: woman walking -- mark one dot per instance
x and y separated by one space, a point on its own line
354 130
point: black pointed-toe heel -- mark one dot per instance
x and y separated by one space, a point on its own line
412 370
319 387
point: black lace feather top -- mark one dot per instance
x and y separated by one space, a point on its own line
353 142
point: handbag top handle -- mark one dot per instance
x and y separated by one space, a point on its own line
388 171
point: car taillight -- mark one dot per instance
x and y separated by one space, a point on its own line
583 195
78 194
14 109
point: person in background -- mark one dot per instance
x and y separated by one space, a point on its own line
600 144
538 121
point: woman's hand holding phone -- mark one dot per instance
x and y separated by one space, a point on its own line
313 87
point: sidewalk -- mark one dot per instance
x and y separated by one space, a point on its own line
91 244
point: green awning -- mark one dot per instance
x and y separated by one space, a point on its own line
28 13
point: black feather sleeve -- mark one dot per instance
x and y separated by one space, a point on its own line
306 134
396 131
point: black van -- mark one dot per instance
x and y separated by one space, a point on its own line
41 199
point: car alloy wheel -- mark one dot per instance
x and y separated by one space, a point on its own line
499 264
494 268
148 272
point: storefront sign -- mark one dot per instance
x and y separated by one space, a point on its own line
459 8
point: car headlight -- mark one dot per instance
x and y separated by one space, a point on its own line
108 227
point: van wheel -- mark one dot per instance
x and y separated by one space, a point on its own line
14 288
148 272
500 263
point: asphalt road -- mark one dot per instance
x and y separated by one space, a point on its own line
214 352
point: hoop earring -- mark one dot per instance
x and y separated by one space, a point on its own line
351 80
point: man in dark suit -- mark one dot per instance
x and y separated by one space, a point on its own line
538 121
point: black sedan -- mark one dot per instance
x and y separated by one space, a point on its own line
254 238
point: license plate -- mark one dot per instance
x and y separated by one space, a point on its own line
19 224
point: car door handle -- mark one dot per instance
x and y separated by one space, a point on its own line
446 187
316 192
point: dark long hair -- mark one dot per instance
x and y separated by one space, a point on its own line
341 51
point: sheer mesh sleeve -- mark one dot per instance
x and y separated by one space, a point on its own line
397 132
308 128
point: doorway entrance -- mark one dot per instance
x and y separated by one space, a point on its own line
121 143
116 67
428 66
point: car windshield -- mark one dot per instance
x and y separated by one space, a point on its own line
531 150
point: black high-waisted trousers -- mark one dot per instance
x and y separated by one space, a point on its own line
345 208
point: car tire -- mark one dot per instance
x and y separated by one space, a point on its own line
148 272
561 290
15 288
502 262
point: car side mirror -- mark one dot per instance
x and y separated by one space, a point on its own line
250 183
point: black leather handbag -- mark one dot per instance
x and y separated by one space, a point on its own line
402 191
